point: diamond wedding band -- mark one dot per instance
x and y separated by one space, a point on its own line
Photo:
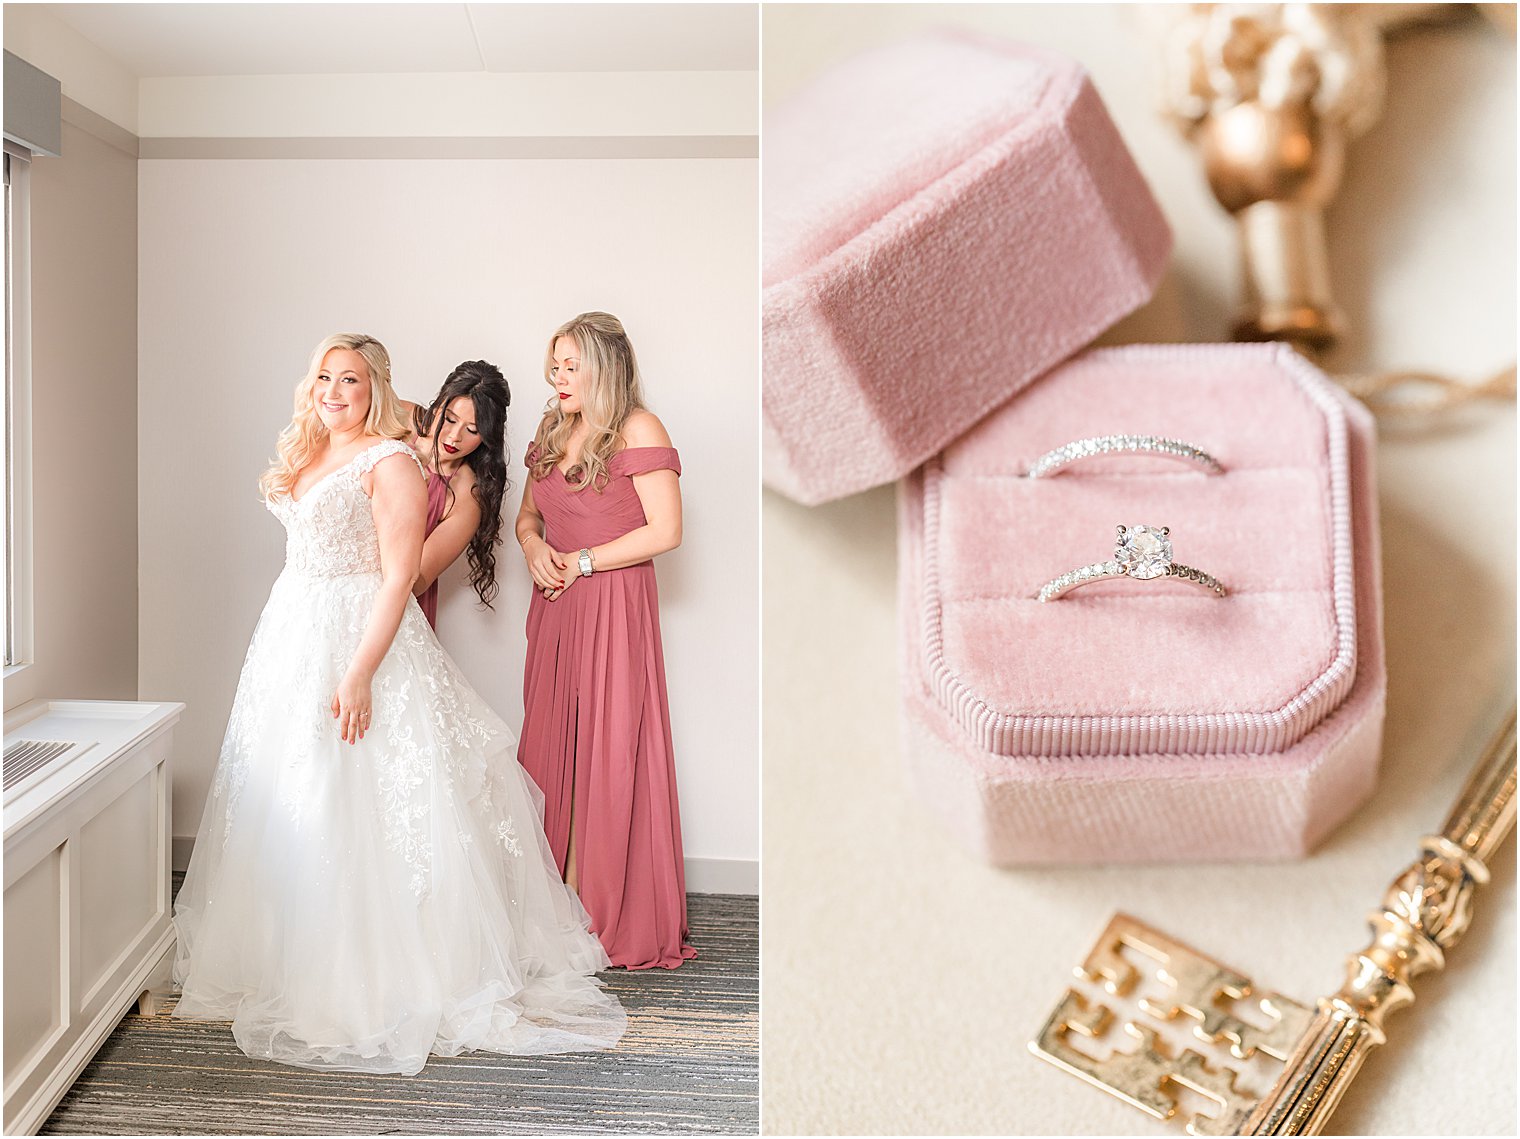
1053 461
1140 552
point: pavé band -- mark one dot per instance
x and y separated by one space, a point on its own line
1062 457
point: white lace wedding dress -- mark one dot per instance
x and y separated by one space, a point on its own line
358 906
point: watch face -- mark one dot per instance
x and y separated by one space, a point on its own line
585 561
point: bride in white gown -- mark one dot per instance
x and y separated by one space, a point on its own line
371 881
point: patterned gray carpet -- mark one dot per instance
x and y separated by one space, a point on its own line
688 1064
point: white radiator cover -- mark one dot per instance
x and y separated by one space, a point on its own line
88 921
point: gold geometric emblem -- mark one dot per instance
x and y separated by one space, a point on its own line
1179 1035
1171 1031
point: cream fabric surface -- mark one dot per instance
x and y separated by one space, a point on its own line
902 980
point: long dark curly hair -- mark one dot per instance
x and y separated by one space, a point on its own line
487 389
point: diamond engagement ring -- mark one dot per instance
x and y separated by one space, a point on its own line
1053 461
1141 552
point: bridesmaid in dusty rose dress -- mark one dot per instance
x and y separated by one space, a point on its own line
600 502
461 439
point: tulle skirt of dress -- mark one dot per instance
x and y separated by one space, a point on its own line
359 906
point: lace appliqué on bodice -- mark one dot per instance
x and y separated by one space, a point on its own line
354 906
330 532
431 731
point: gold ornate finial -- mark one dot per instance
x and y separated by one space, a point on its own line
1425 912
1271 94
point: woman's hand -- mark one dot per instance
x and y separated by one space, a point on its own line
351 708
546 564
553 594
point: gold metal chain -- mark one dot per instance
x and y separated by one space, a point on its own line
1415 393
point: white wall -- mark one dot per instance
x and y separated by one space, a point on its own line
84 412
246 264
517 105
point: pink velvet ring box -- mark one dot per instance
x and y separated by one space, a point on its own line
944 219
1147 720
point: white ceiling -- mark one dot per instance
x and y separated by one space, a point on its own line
156 41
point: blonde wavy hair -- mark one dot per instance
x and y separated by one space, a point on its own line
611 391
299 442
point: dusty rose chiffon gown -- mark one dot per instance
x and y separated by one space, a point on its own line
437 503
596 723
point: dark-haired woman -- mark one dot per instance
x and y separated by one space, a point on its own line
461 437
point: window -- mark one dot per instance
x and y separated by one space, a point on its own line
18 412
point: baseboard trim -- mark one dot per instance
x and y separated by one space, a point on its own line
703 875
722 876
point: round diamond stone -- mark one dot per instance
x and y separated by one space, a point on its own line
1144 552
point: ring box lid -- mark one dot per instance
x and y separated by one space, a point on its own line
944 219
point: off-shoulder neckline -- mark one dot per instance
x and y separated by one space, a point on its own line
528 458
